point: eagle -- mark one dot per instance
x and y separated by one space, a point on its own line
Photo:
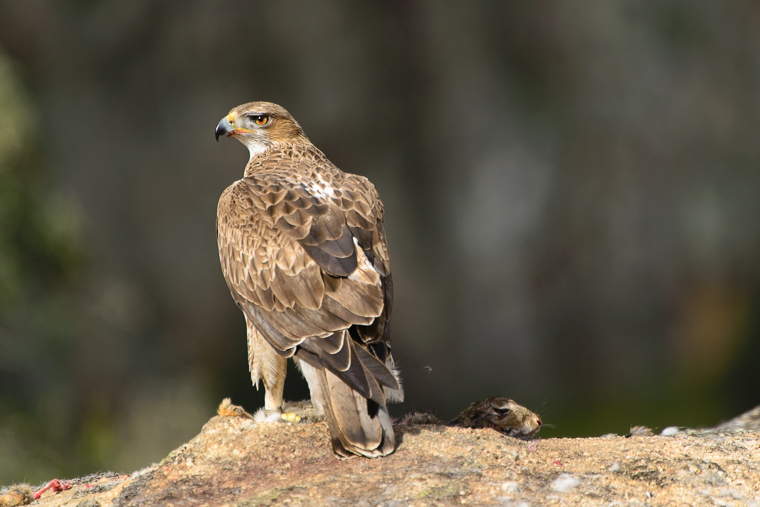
304 254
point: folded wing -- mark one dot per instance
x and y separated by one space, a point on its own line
312 273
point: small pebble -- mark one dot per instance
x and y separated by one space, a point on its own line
510 487
565 483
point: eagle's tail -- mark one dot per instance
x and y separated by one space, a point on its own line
357 425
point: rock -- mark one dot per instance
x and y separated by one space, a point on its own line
236 461
565 483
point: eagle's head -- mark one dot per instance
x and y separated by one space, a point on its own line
259 126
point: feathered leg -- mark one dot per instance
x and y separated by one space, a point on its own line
266 365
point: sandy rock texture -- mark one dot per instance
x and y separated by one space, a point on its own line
235 461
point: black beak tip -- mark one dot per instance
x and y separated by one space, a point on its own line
223 128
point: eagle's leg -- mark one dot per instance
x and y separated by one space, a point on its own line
274 382
315 390
268 366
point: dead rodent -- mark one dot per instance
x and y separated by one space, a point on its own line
501 414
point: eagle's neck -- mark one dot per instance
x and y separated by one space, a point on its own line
256 149
291 151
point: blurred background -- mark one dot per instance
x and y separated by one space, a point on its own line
572 195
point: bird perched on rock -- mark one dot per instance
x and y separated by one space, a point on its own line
303 252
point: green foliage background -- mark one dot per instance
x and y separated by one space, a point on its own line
41 265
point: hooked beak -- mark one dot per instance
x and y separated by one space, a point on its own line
223 128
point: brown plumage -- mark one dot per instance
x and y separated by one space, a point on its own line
303 252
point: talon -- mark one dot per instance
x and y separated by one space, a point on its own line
290 417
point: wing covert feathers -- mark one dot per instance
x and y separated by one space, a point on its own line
303 252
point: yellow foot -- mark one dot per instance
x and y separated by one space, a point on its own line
290 417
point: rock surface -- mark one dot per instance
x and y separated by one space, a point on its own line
237 462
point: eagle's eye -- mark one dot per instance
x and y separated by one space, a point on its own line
260 119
